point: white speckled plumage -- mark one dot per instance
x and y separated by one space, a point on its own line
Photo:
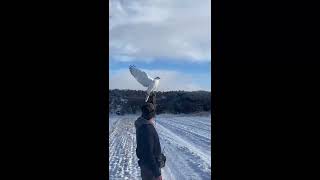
143 78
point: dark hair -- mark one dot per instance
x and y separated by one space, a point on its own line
148 111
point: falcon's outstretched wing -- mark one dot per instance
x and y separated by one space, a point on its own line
140 76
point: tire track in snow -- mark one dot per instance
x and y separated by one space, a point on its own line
185 160
191 134
123 163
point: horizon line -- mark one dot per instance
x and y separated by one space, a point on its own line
162 91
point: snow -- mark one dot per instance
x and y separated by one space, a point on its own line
185 139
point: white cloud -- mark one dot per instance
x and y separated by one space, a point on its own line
148 29
170 80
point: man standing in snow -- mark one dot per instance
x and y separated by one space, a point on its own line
148 144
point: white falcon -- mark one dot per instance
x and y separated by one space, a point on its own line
145 80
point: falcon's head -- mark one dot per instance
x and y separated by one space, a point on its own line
157 78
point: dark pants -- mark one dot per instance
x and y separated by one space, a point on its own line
146 173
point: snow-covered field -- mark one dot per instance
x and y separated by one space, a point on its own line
186 141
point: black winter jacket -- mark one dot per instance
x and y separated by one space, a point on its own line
148 145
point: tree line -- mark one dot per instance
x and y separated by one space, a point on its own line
175 102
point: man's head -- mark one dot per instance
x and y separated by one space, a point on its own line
148 111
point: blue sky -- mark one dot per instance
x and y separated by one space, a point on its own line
166 38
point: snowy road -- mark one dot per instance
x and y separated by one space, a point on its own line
186 141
